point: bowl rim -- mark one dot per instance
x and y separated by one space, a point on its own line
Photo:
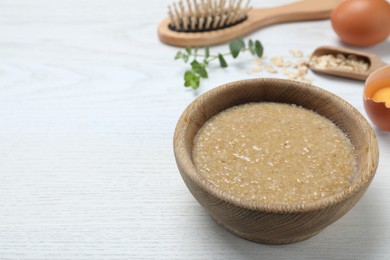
187 167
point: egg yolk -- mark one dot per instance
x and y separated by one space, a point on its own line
383 95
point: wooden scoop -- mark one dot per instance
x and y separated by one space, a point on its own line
371 60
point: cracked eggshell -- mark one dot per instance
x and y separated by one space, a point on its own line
377 111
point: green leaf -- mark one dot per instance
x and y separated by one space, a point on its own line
251 47
250 43
195 64
185 57
222 61
199 68
179 55
191 79
259 49
206 52
236 46
242 42
199 62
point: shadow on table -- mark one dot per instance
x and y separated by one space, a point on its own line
381 49
383 138
357 235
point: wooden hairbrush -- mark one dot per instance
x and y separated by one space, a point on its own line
208 22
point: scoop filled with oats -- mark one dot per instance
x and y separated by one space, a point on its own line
344 62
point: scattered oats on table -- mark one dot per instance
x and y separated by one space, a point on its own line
297 68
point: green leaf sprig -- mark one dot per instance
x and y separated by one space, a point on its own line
200 61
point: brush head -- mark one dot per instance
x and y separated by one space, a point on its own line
206 15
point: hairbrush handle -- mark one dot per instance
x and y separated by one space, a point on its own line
257 18
297 11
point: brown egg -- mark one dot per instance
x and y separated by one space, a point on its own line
362 22
377 98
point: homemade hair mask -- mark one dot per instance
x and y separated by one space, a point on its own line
274 153
302 186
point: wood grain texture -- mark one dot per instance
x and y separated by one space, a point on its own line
374 62
275 223
257 18
89 99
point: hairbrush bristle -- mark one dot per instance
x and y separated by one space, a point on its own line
206 15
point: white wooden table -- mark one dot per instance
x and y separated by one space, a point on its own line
89 99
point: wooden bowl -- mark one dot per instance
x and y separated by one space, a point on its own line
275 223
